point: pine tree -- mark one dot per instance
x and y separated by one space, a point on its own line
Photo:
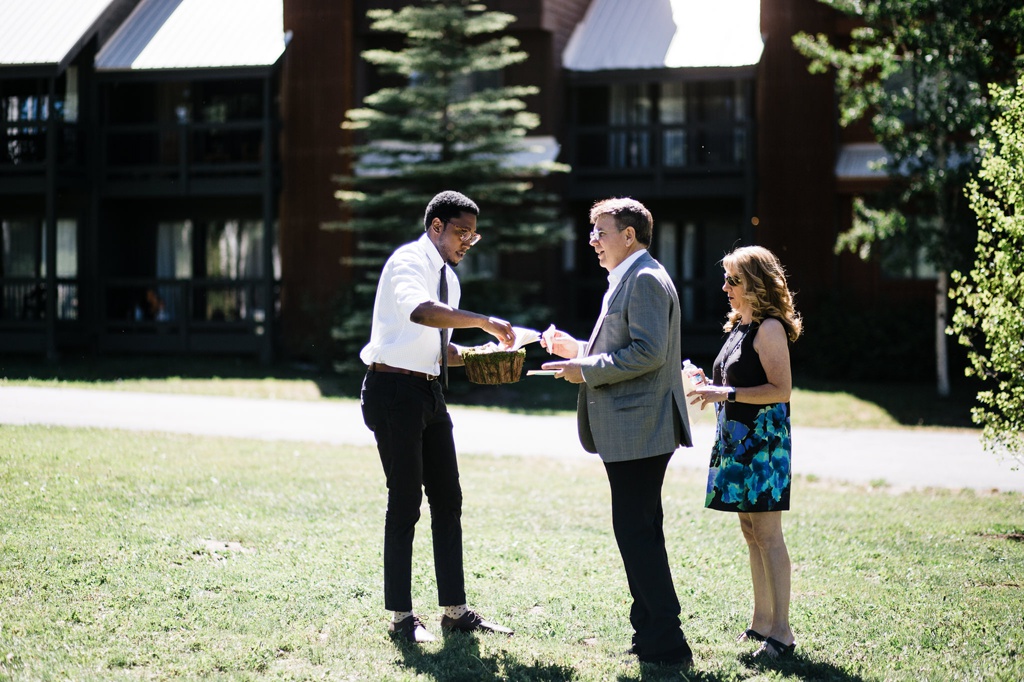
990 298
450 124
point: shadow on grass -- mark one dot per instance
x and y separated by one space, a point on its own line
797 666
656 673
803 668
910 404
459 660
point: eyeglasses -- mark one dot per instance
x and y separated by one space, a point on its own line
597 235
464 234
732 281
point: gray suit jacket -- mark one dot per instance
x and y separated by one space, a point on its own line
631 404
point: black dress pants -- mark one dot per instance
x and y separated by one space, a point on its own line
410 421
637 519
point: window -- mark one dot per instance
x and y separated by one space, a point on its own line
224 102
209 124
465 86
234 249
672 114
690 250
592 117
173 262
630 117
722 111
23 112
69 107
234 253
23 269
673 124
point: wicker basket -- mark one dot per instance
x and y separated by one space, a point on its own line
495 367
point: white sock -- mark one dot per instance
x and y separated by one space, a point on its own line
456 612
399 616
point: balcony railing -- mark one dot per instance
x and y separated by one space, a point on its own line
183 151
188 316
23 146
661 148
23 300
145 314
195 304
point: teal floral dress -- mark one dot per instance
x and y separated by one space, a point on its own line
750 460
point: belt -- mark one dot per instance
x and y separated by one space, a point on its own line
388 369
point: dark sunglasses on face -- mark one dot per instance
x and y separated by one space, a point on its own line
732 281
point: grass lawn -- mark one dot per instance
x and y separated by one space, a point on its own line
142 556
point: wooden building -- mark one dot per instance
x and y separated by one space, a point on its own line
708 114
140 176
166 166
662 107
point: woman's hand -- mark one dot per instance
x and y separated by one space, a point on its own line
705 395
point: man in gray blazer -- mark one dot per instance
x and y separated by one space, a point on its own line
632 412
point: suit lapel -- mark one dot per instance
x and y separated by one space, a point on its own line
618 292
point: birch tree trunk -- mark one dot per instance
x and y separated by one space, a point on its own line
941 320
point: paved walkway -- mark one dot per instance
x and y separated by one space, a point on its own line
900 458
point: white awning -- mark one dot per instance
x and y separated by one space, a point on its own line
44 32
537 151
658 34
870 161
861 161
196 34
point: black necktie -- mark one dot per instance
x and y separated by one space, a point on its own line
442 295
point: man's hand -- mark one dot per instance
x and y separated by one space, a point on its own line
501 330
570 370
559 343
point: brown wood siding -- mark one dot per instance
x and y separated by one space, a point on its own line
561 18
801 207
316 91
796 199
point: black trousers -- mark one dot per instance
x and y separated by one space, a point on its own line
637 519
410 421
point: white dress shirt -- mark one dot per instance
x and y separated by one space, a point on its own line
614 277
410 277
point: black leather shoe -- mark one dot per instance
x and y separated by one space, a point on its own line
411 629
471 622
679 656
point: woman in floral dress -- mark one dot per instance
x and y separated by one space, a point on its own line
750 460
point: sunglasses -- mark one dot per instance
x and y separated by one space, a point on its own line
464 234
732 281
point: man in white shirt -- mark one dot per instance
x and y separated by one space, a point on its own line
416 307
631 411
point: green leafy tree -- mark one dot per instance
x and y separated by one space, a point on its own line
990 299
919 69
448 122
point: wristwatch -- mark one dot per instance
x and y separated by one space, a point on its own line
731 397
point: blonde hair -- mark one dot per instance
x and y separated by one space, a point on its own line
764 288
